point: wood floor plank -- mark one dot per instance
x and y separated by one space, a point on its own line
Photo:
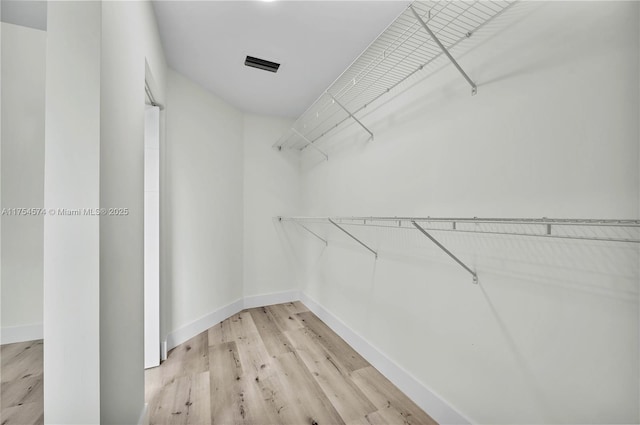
262 395
21 359
21 388
253 354
255 390
299 398
340 350
183 401
228 330
225 369
239 395
199 404
381 418
188 358
274 340
389 400
232 329
295 307
9 352
27 414
359 421
285 320
389 415
27 389
215 334
334 380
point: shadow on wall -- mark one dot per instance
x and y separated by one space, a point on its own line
295 249
523 365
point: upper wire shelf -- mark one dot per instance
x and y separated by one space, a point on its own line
421 34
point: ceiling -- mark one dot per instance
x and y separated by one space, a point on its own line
28 13
314 41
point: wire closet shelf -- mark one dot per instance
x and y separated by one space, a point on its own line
606 230
421 34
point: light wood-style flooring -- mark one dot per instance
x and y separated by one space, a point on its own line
273 365
21 394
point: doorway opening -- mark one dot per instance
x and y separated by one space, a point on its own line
152 347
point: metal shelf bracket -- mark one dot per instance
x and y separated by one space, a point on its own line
353 237
351 115
313 233
310 143
474 88
424 232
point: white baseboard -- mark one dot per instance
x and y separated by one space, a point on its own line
424 397
200 325
269 299
192 329
144 415
12 334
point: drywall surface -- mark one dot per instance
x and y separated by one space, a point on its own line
202 225
551 333
130 49
23 104
271 189
71 242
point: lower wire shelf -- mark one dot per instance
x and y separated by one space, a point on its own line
606 230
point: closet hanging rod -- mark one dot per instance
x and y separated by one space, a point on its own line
425 226
484 220
547 227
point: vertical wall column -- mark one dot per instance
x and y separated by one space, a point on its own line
71 242
122 106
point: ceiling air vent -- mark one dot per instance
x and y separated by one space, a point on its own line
261 64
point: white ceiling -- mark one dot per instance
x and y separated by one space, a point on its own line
314 41
28 13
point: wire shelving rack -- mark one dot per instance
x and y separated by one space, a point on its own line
422 33
605 230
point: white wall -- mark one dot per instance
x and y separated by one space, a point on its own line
131 49
271 188
71 243
23 101
202 192
551 334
